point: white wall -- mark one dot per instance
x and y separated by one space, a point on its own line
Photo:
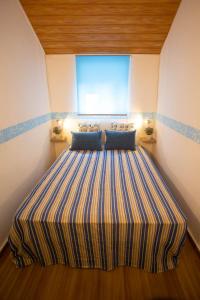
144 82
62 82
23 95
179 98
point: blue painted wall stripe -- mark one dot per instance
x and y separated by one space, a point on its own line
59 115
20 128
182 128
11 132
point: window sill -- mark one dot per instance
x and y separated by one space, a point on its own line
102 115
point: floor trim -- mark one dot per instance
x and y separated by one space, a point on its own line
3 245
193 240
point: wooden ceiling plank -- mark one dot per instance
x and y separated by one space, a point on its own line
102 50
78 2
161 9
97 20
100 37
99 44
115 29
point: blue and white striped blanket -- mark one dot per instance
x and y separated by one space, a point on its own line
100 209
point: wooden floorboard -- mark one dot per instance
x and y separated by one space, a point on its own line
60 282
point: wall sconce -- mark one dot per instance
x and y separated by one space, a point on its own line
149 129
70 124
57 133
59 127
138 122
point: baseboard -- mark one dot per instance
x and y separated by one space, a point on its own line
193 240
3 245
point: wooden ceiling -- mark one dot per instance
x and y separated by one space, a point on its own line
101 26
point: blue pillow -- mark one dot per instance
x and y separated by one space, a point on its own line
86 141
124 140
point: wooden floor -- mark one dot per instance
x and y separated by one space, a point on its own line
60 282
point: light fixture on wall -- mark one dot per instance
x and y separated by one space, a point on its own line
57 129
138 121
148 129
57 132
70 124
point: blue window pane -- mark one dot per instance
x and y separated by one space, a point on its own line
102 84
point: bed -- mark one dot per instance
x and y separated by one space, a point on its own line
100 209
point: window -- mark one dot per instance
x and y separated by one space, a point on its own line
102 84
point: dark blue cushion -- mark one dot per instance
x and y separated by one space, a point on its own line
124 140
86 141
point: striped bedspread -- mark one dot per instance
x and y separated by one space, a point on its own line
100 209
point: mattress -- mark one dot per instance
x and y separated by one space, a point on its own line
100 209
